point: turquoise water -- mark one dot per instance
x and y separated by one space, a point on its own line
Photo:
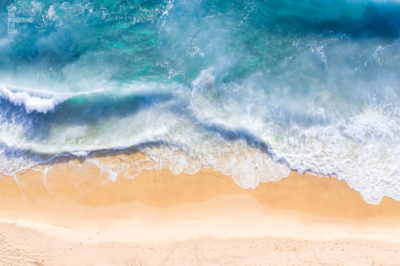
250 88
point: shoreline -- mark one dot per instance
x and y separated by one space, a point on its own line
77 203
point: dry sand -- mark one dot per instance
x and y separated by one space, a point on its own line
75 215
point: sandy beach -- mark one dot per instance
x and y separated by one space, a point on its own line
76 215
201 132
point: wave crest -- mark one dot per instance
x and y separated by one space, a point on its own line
30 102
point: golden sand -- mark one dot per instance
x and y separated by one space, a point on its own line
76 204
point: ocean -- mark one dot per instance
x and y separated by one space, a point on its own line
252 89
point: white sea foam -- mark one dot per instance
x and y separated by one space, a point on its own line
362 147
248 167
29 102
45 101
364 151
233 133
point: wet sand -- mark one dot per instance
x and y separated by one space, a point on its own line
76 214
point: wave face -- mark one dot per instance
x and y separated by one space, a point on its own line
250 88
